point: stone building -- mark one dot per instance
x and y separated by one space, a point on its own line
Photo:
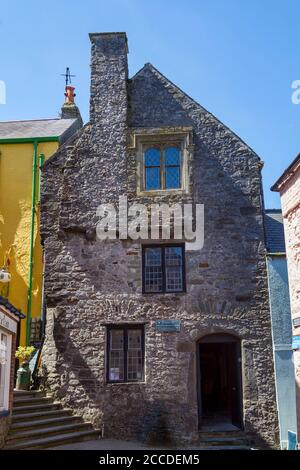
288 185
156 340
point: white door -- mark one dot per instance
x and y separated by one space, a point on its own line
5 363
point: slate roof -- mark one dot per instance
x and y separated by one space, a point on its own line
11 308
274 231
36 128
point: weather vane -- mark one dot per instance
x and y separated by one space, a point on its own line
67 76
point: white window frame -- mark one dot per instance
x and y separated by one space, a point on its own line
7 369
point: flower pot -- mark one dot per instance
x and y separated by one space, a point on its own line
23 377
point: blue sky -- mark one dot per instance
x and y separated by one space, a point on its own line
237 58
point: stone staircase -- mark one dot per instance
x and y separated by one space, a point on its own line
39 422
223 440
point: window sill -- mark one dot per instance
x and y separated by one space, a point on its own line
126 383
161 192
165 294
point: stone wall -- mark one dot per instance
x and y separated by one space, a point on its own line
90 283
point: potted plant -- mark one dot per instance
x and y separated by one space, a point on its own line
24 354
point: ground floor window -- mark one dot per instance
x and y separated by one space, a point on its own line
125 353
5 364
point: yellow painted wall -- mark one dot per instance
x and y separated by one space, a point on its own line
15 224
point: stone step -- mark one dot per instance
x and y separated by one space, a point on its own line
24 401
207 434
225 448
48 431
27 393
38 407
17 418
223 441
53 441
40 423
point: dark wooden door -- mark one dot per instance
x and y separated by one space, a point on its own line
234 382
220 382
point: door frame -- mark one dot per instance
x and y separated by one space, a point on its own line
221 337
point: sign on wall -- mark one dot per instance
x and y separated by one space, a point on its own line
167 326
296 342
8 323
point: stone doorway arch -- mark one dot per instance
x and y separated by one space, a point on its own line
219 385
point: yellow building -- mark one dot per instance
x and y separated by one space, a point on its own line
23 147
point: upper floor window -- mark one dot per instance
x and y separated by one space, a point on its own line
162 168
163 268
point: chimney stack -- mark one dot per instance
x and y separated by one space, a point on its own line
109 74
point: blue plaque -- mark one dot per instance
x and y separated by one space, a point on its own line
167 326
296 342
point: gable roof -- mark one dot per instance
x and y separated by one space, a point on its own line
11 308
43 128
274 231
177 92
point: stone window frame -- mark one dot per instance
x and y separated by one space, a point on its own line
178 136
125 327
163 246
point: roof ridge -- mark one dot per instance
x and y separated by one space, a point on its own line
31 120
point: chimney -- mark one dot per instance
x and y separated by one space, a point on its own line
109 73
69 110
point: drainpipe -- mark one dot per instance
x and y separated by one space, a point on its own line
41 162
43 309
33 196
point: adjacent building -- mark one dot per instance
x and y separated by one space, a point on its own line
281 323
288 185
24 145
9 320
156 339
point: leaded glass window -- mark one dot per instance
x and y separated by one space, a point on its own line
153 270
163 268
125 353
134 355
162 168
116 355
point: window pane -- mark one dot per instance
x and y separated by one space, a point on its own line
152 178
134 355
152 157
3 366
153 256
153 279
153 270
174 279
172 175
172 156
116 355
173 255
